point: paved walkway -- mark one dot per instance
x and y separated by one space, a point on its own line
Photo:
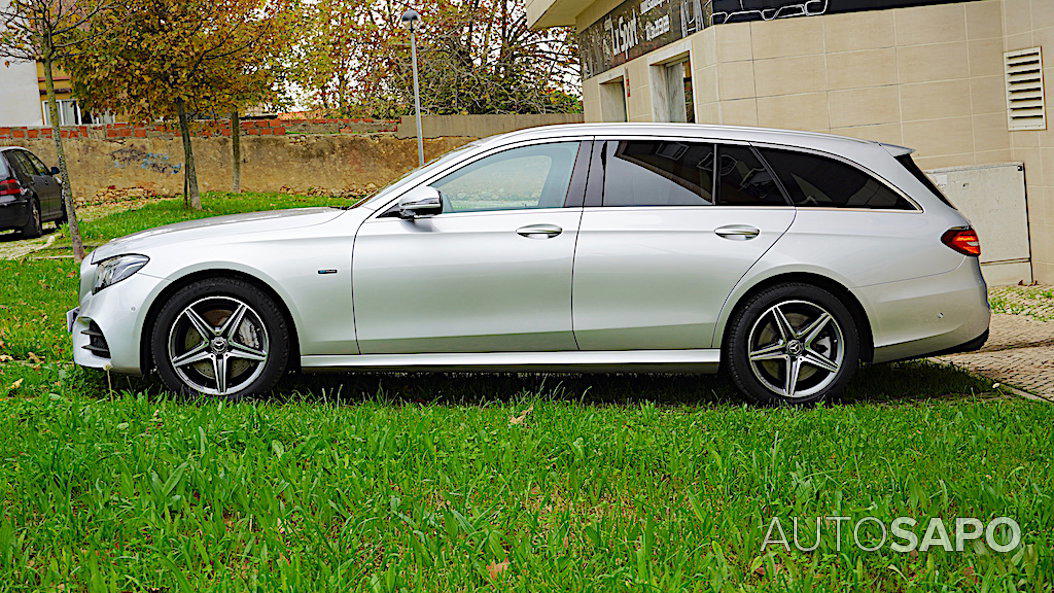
1019 353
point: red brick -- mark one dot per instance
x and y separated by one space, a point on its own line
278 131
266 131
32 133
18 134
140 132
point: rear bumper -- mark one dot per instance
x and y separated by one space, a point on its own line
13 214
930 315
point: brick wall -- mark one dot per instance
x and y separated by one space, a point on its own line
210 129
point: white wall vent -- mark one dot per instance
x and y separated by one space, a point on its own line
1024 89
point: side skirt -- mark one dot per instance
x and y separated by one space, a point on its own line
699 361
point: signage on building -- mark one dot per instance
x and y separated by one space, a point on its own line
636 27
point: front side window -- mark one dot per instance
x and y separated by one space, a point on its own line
658 173
37 164
815 181
743 180
535 176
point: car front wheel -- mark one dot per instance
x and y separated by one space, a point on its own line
221 338
792 344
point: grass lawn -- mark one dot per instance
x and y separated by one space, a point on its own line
389 482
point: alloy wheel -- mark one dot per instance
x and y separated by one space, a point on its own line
796 348
218 345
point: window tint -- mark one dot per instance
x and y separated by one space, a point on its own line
816 181
744 181
38 165
18 160
913 168
534 176
653 173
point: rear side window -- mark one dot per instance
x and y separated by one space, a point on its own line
5 171
909 164
815 181
658 173
743 180
20 164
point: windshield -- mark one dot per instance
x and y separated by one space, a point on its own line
414 174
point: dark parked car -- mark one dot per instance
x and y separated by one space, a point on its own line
30 193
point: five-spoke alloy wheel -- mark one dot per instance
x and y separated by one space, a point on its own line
793 343
220 337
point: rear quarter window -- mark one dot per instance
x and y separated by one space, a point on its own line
913 168
5 171
815 181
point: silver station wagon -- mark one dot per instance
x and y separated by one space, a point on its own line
785 259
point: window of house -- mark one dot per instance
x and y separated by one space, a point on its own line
743 179
70 114
658 173
820 182
535 176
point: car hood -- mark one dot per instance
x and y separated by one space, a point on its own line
216 227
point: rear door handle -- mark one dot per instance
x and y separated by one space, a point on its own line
737 232
539 231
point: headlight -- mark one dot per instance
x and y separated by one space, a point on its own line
114 269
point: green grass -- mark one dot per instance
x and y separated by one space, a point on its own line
428 482
1036 302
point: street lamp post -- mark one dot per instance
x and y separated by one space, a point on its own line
411 19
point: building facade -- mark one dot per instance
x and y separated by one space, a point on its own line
961 82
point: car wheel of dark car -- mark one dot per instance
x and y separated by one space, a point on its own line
33 227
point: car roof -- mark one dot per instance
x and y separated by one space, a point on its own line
816 140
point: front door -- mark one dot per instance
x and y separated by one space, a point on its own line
665 244
491 273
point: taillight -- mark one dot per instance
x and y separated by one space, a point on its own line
10 187
963 240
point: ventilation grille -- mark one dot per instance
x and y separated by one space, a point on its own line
1024 89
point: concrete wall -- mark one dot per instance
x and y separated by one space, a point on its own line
480 126
928 77
1030 23
333 164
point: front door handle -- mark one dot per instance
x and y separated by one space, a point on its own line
737 232
539 231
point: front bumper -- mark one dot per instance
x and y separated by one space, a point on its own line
113 317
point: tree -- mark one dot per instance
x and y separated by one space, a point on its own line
50 31
476 56
179 58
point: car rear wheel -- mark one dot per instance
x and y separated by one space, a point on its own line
220 338
792 344
33 227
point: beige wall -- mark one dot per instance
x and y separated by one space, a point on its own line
1030 23
928 77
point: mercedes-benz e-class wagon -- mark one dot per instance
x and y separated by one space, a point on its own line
786 259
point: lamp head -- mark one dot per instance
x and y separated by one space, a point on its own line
411 19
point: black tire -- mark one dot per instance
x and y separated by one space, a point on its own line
33 227
836 345
207 295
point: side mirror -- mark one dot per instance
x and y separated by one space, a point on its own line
55 171
419 202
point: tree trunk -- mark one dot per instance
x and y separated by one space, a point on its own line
191 197
236 152
64 171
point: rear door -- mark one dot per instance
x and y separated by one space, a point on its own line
47 187
670 226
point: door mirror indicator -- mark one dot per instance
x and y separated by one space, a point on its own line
420 202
